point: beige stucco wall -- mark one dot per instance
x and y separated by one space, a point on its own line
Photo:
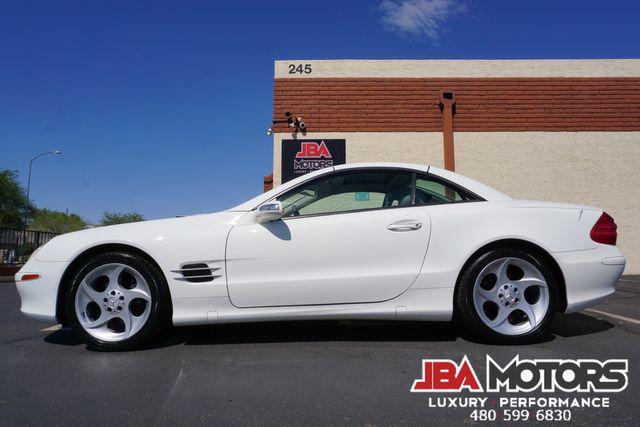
461 68
594 168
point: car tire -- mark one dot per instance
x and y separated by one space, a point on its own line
118 301
507 296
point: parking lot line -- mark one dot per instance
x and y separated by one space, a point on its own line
52 328
614 316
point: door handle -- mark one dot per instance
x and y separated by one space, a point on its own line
404 226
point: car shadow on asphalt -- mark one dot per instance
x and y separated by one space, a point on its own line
571 325
578 324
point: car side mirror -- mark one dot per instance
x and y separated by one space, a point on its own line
269 212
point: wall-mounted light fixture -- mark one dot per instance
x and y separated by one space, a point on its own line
295 123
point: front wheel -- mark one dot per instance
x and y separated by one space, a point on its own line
507 296
118 301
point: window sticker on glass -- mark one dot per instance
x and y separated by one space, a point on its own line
362 196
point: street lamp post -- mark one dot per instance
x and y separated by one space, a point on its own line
29 180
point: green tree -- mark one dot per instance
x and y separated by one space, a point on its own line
57 222
112 218
14 207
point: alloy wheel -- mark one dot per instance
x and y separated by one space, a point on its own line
113 302
511 296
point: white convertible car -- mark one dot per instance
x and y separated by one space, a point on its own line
360 241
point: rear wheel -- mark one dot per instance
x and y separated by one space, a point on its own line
508 296
118 301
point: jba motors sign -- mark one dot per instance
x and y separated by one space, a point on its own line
522 389
301 156
524 375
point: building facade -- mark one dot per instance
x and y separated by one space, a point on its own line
558 130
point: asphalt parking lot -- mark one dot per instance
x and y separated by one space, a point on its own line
355 373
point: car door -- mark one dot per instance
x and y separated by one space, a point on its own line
346 237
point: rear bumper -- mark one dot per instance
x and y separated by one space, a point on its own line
590 275
39 297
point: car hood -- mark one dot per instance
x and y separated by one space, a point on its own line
138 234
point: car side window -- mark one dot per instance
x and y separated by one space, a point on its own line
432 191
349 191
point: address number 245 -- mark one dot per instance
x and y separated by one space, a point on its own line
300 69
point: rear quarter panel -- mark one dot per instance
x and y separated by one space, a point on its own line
459 230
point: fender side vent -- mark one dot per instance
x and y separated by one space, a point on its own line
197 272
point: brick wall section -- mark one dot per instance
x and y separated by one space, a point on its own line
267 182
482 104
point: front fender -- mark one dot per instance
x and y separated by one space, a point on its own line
38 298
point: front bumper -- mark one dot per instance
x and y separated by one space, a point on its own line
39 297
590 275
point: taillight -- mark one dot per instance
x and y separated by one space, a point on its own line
605 230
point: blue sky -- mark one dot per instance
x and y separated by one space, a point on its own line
161 107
